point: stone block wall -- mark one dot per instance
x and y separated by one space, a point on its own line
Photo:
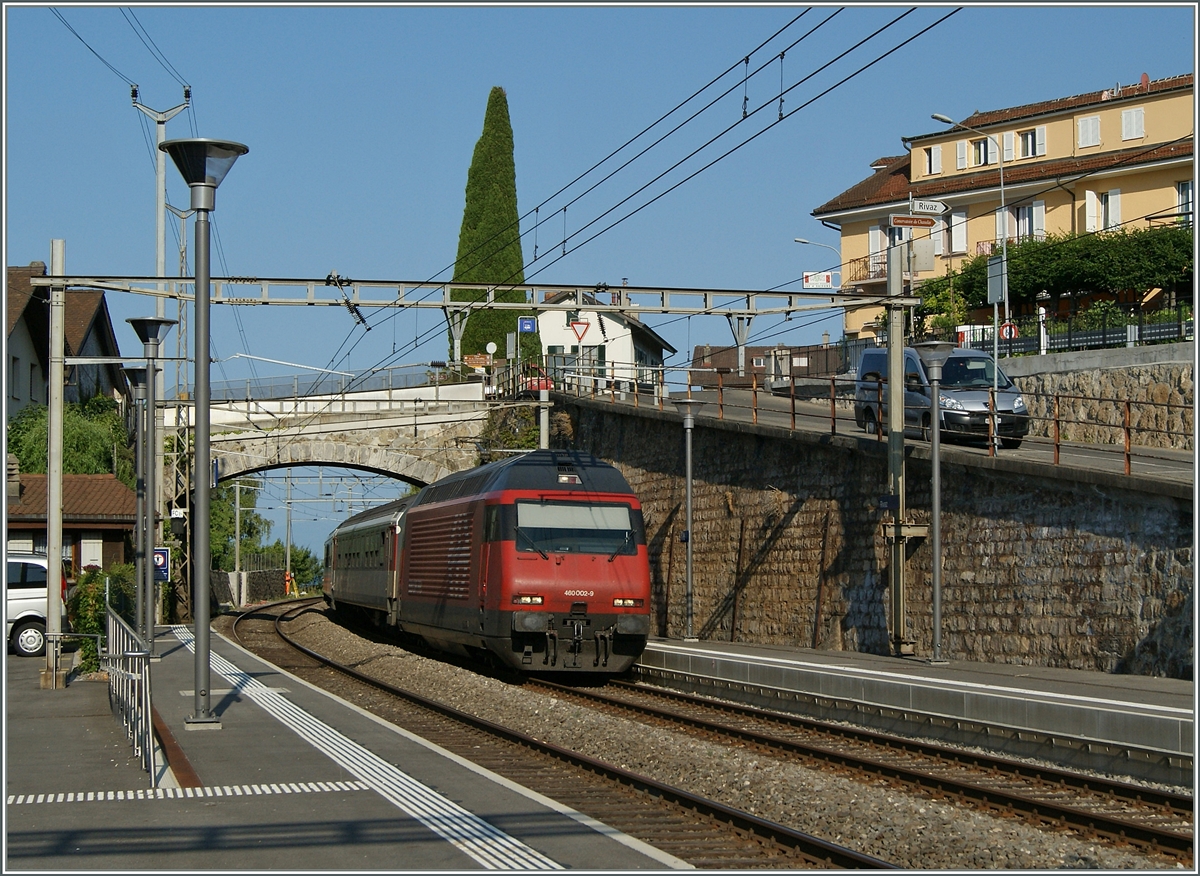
789 548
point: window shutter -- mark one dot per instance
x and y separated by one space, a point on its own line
1089 131
876 239
1039 219
1008 145
962 154
1091 208
1114 209
935 157
935 233
1132 124
1040 138
958 231
1002 224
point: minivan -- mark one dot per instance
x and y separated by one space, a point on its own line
964 389
26 600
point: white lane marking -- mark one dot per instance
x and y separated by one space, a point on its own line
940 684
491 847
178 793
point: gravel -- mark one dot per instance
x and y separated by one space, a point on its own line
907 829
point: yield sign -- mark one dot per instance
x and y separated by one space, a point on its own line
580 328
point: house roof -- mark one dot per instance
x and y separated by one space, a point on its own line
636 326
19 292
890 183
93 499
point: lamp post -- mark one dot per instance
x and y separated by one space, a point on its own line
938 117
203 164
150 331
934 354
136 375
688 407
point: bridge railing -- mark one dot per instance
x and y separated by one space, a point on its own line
331 383
1132 427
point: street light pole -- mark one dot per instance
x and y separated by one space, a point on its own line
934 354
688 407
136 375
938 117
203 164
150 331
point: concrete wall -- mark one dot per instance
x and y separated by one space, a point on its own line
789 547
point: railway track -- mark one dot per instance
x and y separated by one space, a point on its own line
702 832
1110 810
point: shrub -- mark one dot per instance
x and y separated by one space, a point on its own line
86 609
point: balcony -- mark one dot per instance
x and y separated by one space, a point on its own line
865 269
988 247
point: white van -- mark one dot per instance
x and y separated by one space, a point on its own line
26 598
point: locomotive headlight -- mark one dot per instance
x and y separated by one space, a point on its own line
622 602
525 599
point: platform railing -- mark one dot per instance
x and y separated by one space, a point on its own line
127 661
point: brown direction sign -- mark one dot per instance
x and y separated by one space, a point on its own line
898 220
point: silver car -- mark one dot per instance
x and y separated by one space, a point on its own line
965 389
26 598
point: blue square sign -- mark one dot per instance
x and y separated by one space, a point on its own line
162 564
527 324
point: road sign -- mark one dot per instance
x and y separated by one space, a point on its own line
527 324
162 564
476 360
995 280
1008 331
934 207
580 328
899 220
818 280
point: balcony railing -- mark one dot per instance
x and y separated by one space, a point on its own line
988 247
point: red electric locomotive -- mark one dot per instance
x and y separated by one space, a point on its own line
539 560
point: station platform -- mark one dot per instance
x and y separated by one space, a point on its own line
294 779
1128 725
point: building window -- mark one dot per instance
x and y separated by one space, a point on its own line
33 393
1133 124
1089 131
1110 209
1033 142
1183 194
958 231
757 362
14 376
981 151
933 160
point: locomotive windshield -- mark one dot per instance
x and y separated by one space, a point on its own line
573 527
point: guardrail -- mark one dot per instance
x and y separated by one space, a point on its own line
1130 427
127 661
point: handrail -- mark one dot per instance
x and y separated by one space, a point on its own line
127 660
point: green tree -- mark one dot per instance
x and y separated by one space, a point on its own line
223 522
489 241
95 439
306 566
86 609
1113 262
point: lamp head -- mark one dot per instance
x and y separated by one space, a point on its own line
938 117
688 407
136 375
151 329
934 354
203 164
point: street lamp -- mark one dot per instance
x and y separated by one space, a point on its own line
688 407
938 117
136 375
150 331
934 354
203 164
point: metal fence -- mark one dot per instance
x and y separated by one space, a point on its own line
1112 328
127 660
297 386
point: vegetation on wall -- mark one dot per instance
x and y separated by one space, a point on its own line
489 242
1113 263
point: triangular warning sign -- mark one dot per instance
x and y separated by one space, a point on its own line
580 328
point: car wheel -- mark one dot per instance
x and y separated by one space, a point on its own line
926 431
29 639
869 423
1010 443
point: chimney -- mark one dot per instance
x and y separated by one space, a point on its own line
14 479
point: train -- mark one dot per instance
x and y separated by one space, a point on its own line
537 562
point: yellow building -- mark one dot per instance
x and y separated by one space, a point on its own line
1118 157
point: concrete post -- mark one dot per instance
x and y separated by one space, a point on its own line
52 678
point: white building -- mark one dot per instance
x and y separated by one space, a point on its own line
600 346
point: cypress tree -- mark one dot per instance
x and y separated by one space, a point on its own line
489 243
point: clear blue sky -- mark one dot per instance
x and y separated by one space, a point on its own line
361 122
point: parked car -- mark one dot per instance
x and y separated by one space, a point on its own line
26 598
532 381
967 378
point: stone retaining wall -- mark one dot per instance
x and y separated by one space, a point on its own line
789 549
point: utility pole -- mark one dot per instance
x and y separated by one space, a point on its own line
160 270
53 678
237 543
287 551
